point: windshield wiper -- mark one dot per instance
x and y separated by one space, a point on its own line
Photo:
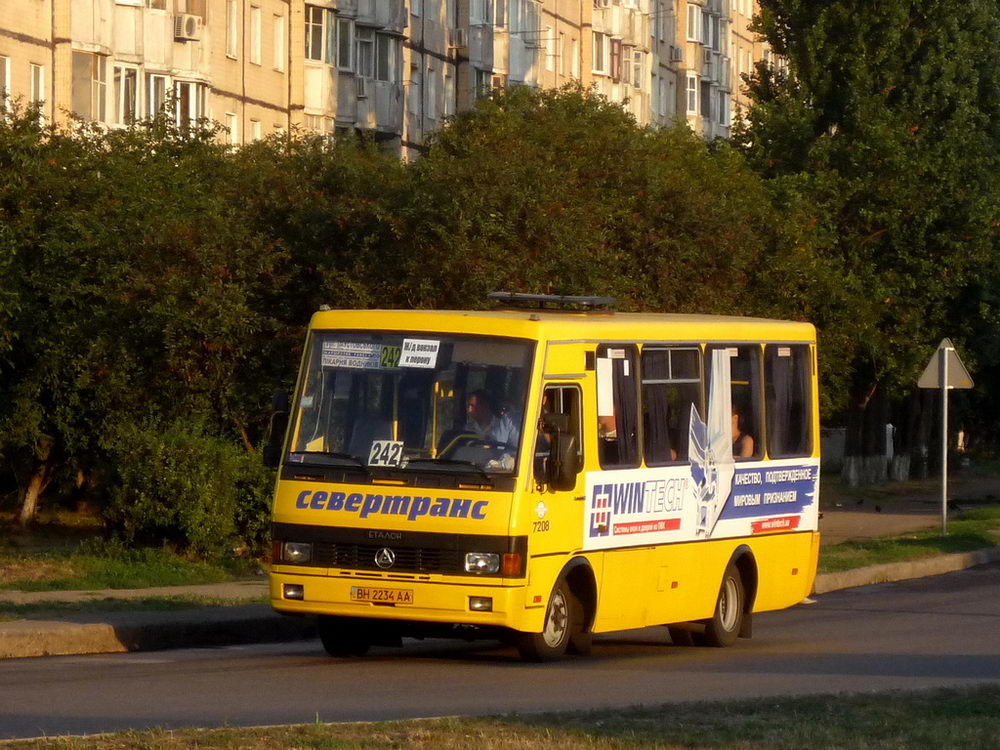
458 462
299 457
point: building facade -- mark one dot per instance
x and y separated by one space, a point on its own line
392 69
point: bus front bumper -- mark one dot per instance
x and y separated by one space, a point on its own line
347 595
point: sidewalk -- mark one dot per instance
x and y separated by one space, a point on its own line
255 622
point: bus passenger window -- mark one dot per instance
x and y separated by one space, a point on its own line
787 374
671 383
745 392
617 406
559 399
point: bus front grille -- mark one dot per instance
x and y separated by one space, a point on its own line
407 559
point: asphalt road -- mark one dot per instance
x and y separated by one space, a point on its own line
936 631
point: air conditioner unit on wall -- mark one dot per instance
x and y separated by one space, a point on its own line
187 27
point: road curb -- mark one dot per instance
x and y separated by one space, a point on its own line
118 632
151 631
888 572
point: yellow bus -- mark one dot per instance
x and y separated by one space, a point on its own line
545 471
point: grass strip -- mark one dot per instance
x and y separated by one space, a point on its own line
967 717
45 610
974 529
94 567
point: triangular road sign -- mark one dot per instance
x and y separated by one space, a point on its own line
958 376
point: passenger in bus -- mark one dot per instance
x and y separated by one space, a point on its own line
487 422
743 446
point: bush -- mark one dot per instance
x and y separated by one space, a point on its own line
180 487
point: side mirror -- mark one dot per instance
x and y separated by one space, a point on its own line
271 453
562 463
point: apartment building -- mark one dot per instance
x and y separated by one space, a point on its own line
392 69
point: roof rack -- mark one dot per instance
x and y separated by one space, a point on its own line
544 301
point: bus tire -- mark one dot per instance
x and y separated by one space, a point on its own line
724 626
563 621
342 636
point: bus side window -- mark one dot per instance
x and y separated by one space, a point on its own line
617 406
557 399
744 370
787 391
671 384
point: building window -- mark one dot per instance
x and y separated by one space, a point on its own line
232 29
38 89
574 64
449 92
416 7
413 100
156 94
4 82
89 86
481 12
550 49
693 22
483 83
600 53
386 58
126 95
279 43
255 42
637 74
320 38
232 128
255 130
190 103
345 44
724 109
430 110
692 94
364 46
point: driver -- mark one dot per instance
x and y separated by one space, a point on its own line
485 421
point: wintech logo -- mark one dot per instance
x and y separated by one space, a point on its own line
412 507
600 511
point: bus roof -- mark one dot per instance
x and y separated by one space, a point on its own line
552 325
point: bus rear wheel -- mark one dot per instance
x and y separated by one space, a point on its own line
724 626
563 623
342 636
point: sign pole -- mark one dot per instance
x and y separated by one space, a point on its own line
949 367
944 438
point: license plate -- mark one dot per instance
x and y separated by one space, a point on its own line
381 596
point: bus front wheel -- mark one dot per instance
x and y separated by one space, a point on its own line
563 621
724 626
342 636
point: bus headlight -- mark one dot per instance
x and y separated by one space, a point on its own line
482 562
296 552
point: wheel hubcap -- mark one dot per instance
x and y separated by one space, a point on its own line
555 624
729 605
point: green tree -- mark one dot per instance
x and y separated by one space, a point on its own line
881 143
561 191
142 294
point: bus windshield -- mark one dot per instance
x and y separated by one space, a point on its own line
411 402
